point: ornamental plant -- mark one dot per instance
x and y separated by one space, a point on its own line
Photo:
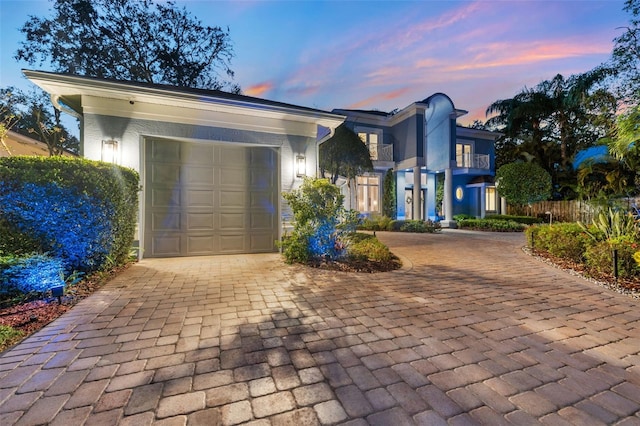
523 183
320 222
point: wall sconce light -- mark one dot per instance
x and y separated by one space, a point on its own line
110 151
301 166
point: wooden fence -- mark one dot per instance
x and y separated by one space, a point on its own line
565 211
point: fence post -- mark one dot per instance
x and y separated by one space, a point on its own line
615 264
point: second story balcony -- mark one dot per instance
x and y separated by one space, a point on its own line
381 152
473 161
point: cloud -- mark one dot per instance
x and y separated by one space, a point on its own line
386 96
510 54
259 89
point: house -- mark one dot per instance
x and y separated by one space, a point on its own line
426 149
17 144
212 165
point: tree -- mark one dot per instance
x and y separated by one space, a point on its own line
344 154
33 115
523 183
9 116
626 55
135 40
551 122
389 195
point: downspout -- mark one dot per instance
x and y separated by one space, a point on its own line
332 131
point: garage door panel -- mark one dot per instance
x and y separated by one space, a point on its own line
168 174
204 199
260 221
163 150
200 198
231 155
198 154
233 243
166 222
232 221
199 176
233 177
232 199
161 197
166 246
200 245
262 242
262 200
200 221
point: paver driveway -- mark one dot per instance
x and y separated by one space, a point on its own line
471 331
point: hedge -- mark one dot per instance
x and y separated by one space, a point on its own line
81 211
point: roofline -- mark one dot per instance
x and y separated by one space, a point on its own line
204 96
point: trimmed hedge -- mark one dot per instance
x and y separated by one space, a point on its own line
384 223
565 240
492 225
81 211
527 220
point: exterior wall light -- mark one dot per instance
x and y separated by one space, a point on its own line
459 193
110 151
301 166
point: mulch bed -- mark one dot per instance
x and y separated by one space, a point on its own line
627 286
30 316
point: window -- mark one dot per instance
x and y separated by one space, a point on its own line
490 199
371 140
464 155
368 193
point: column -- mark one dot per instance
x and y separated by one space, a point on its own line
448 199
417 193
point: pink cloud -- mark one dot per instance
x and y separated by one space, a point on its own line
386 96
258 89
510 54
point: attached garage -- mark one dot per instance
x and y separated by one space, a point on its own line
205 199
212 164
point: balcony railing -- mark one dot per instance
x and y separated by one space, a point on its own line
475 161
382 153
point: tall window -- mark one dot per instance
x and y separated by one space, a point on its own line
464 155
368 193
490 197
371 140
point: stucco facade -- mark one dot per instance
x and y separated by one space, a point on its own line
120 119
429 149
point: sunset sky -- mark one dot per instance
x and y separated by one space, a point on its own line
387 54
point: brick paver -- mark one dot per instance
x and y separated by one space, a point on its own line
471 330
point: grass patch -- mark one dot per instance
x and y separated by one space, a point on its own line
9 336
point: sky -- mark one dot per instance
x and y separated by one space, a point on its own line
383 55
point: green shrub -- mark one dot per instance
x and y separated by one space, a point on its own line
564 240
363 247
492 225
320 222
106 196
462 216
599 256
527 220
12 241
375 223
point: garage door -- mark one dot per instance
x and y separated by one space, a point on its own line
204 199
